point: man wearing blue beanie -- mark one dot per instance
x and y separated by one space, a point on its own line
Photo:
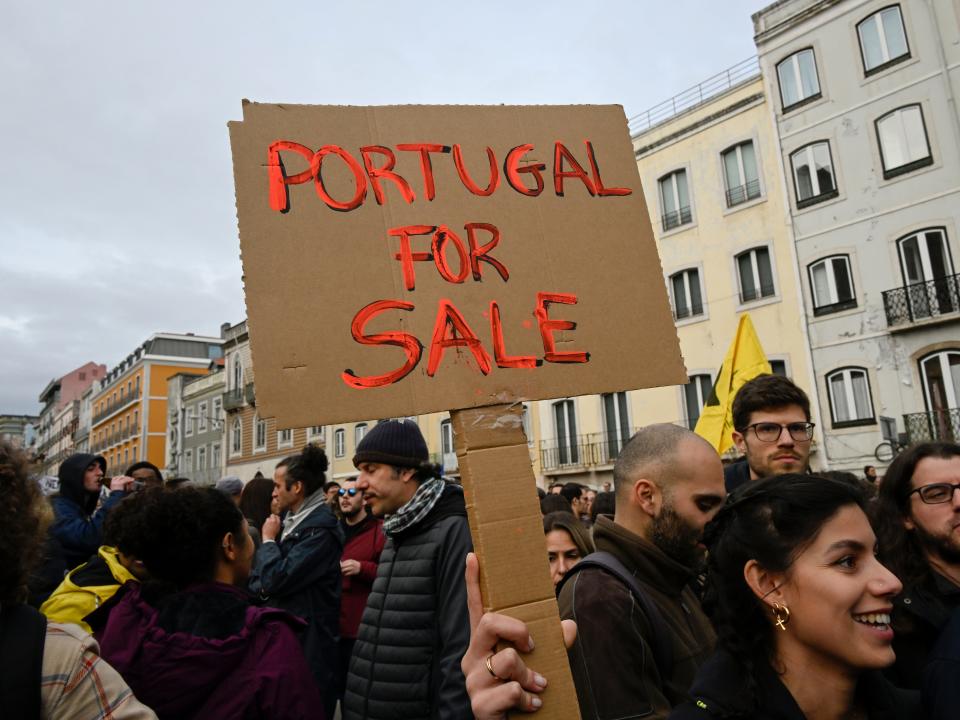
415 628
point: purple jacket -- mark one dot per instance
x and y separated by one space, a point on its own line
207 653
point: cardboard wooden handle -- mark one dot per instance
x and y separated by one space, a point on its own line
507 529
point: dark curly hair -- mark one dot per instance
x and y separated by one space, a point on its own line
255 501
25 516
185 528
771 521
899 549
309 467
123 527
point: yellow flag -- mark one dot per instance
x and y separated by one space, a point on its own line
744 361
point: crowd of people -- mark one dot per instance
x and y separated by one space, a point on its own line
688 588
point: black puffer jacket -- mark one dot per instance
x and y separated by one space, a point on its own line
415 629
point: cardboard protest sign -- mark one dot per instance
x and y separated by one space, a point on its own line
405 260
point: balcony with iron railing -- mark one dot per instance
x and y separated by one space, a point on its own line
676 218
236 398
936 426
584 451
926 301
113 407
743 193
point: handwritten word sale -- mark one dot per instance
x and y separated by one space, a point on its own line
457 256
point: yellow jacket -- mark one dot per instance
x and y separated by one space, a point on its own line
86 588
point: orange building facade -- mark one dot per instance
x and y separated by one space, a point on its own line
130 406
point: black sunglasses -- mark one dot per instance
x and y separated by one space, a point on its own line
350 491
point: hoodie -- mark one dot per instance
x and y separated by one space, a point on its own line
76 527
87 587
206 652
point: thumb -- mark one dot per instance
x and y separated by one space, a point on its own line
569 632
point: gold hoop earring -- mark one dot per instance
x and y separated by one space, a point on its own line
782 615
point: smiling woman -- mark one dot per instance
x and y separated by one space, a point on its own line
801 606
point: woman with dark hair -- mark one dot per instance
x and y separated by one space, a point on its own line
916 517
256 499
568 542
189 638
801 606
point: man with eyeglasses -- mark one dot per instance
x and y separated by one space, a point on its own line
772 428
917 520
358 566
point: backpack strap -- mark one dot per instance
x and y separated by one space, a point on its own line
660 642
23 633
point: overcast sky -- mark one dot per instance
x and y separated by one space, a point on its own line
117 214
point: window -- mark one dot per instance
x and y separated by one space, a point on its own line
338 443
831 285
201 458
675 200
187 461
740 173
237 372
903 141
126 456
883 41
695 395
285 438
202 417
136 418
236 439
217 409
798 79
849 392
527 429
259 434
686 295
755 273
215 456
931 288
565 424
941 390
359 431
446 437
314 431
616 423
136 385
813 175
779 367
188 419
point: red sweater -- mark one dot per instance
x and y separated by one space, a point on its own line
364 543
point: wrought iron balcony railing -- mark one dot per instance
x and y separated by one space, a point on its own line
113 407
677 218
583 450
922 301
936 426
743 193
235 398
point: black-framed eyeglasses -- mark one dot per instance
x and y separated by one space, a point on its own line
936 493
771 431
347 491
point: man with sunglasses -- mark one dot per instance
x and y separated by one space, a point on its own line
917 520
358 566
771 420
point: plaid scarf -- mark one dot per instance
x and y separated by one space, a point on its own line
416 508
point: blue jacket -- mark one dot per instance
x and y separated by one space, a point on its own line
300 573
78 526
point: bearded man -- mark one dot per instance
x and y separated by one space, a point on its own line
669 484
918 532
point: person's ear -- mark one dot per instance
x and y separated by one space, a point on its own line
406 474
647 496
767 586
229 547
739 440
